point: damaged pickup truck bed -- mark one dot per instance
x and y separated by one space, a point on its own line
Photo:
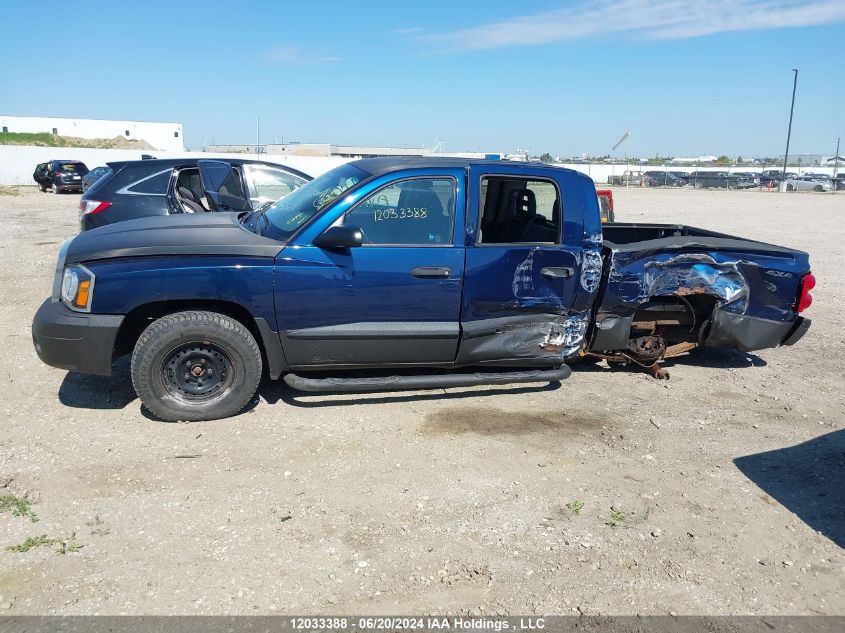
675 285
388 274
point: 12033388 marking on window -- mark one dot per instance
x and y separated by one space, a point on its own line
409 213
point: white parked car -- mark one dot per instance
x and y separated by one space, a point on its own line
807 183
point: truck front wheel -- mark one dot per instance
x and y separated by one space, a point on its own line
196 366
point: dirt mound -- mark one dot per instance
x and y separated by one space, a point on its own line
118 142
45 139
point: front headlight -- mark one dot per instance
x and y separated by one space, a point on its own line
78 288
60 269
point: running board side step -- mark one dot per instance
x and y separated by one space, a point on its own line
432 381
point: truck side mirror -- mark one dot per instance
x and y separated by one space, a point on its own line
341 236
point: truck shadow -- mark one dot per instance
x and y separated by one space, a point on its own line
274 391
84 391
807 479
714 357
718 357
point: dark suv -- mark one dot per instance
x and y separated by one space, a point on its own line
664 179
61 175
139 188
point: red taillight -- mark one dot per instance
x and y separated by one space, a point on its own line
90 207
805 299
57 174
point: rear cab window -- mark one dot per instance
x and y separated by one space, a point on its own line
515 210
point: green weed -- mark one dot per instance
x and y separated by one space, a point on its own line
575 506
18 506
66 545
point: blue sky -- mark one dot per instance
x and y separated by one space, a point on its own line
687 77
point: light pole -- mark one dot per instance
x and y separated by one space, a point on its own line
789 130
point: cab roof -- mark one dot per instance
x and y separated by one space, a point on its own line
387 164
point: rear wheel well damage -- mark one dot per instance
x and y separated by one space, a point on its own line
140 317
677 318
680 317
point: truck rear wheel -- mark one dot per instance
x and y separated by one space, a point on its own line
196 366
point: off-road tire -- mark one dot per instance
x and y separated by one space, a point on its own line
160 378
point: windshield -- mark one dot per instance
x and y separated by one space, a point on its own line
281 219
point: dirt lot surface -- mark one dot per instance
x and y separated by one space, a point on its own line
719 491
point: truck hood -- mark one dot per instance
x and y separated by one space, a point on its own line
188 234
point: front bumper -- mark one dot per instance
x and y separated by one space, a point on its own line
73 341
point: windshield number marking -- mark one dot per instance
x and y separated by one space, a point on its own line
409 213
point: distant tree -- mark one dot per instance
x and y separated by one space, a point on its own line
723 160
546 158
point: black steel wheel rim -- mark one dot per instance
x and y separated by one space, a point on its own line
197 373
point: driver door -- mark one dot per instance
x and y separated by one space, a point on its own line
393 301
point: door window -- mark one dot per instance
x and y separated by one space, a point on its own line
272 184
417 211
222 185
519 211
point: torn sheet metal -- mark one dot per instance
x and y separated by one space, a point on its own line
752 285
744 277
693 273
639 281
522 284
591 269
567 338
546 338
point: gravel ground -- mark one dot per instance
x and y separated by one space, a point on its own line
719 491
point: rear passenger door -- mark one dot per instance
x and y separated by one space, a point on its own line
521 279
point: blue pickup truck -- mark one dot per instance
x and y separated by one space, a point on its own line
398 273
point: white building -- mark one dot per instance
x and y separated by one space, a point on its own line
343 151
165 137
698 159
